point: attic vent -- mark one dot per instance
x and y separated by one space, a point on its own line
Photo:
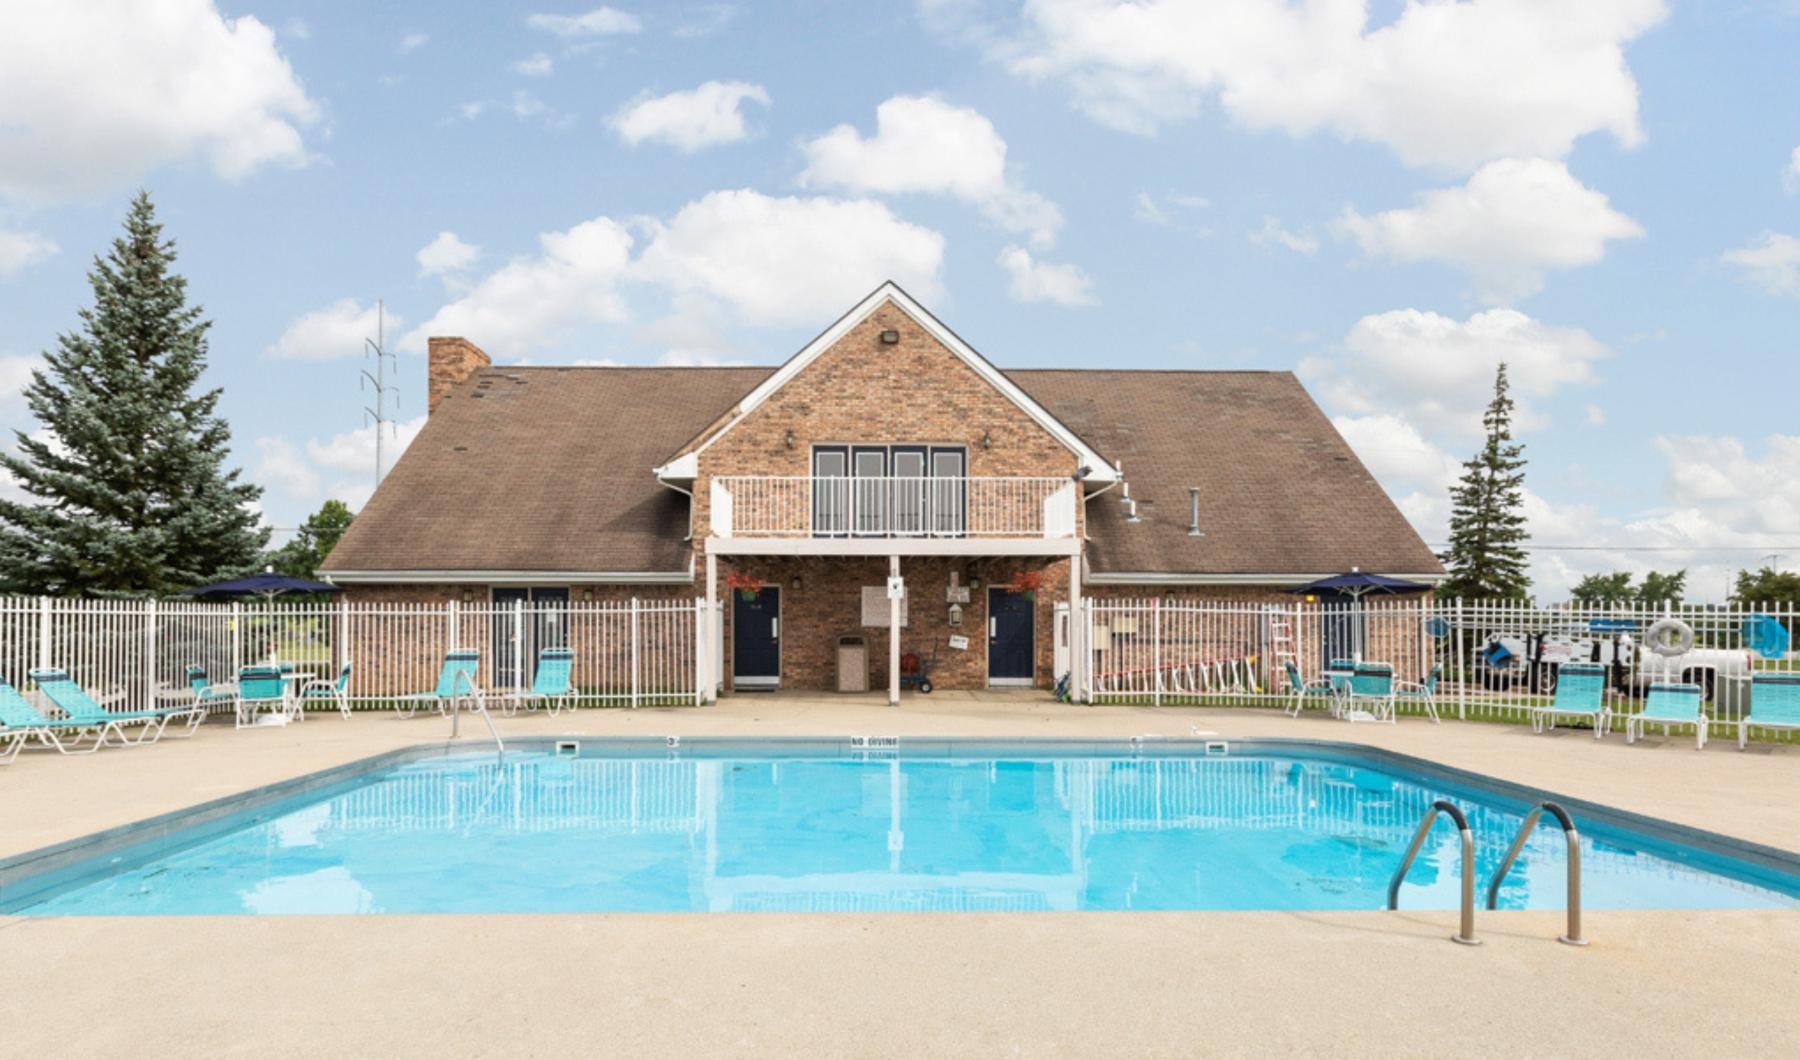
460 448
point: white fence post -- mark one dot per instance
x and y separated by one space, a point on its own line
46 626
149 655
700 665
237 638
1156 651
634 653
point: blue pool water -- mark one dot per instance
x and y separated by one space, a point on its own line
539 833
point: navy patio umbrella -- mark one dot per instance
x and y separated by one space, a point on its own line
267 585
1356 585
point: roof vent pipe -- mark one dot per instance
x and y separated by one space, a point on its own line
1132 515
1194 512
1125 494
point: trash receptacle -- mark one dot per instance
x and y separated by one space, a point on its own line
853 663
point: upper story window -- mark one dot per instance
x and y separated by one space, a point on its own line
889 490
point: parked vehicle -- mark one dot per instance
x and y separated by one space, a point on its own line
1532 659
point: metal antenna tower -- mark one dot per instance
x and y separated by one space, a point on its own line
379 414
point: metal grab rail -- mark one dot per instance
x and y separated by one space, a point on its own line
474 695
1466 931
1573 935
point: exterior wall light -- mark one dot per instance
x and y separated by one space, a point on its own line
468 596
587 596
987 440
1169 599
796 583
789 439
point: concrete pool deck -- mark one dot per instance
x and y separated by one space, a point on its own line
1655 983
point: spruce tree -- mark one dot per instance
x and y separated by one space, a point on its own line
129 493
1486 559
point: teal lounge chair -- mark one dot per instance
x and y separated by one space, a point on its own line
552 685
1371 693
1670 704
1580 693
23 724
1299 692
455 678
1774 704
261 688
205 692
338 692
1423 693
80 707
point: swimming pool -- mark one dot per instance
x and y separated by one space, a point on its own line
813 825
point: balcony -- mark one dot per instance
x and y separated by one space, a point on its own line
887 507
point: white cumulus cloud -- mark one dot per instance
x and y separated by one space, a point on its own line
789 260
1438 372
446 255
1512 221
1043 281
691 119
1771 261
96 94
341 467
537 65
21 250
600 22
337 330
1272 234
1442 84
1790 177
924 145
572 280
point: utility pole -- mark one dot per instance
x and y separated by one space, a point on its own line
379 414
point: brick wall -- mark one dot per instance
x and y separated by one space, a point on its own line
863 390
449 361
829 604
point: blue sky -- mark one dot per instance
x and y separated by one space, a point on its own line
1386 197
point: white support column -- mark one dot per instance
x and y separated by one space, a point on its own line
716 672
1077 633
46 624
893 637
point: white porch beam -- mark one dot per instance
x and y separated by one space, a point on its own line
893 637
1077 628
898 546
715 642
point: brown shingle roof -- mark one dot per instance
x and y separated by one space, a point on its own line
1280 490
544 469
548 469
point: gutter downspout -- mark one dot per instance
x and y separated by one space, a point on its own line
660 481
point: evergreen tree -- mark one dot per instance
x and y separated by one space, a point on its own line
1486 559
130 494
301 557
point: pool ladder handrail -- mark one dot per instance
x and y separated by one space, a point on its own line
1572 936
1466 929
474 696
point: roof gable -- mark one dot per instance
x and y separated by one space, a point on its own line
684 465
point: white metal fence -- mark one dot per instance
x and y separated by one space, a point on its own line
135 653
1495 661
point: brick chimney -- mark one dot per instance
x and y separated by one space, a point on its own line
449 361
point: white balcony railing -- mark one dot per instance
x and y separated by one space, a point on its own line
837 507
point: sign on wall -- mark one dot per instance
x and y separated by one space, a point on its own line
875 607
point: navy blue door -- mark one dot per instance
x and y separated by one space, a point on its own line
756 636
1340 627
1009 636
